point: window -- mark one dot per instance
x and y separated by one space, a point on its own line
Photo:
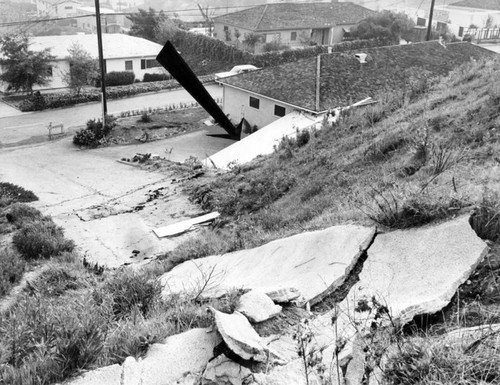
254 102
68 7
49 71
129 65
279 111
293 36
226 28
149 63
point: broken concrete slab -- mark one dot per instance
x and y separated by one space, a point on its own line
165 363
223 371
181 227
257 306
410 272
263 141
131 372
315 263
239 336
290 374
284 295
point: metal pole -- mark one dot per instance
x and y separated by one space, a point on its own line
101 62
429 27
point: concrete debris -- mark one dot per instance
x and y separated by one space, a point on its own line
131 372
182 227
290 374
314 263
257 306
166 363
223 371
468 337
283 295
356 366
189 379
407 273
239 336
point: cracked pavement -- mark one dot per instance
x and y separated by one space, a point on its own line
106 206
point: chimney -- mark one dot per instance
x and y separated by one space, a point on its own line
361 57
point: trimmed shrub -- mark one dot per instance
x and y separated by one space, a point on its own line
93 135
12 269
119 78
19 213
41 239
10 193
156 77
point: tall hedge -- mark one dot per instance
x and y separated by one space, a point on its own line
214 49
119 78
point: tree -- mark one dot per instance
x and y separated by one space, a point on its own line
165 30
23 68
83 69
385 25
144 23
251 40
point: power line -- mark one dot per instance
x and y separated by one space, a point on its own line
178 11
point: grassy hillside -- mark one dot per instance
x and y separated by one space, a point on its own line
414 157
424 155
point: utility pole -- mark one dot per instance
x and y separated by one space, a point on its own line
101 62
429 27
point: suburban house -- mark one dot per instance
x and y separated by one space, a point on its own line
121 53
480 13
111 22
316 85
292 24
57 8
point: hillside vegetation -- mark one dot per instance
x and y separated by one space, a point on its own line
419 155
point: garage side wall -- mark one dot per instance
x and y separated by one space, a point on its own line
237 104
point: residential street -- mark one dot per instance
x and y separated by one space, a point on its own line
106 206
27 127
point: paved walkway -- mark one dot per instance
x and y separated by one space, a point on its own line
6 110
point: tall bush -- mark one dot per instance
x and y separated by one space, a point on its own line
119 78
41 239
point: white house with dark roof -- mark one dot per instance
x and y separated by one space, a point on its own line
121 53
57 8
293 24
316 85
476 12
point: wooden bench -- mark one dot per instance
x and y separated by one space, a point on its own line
55 130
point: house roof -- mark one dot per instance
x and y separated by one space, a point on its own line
285 16
114 45
343 80
479 4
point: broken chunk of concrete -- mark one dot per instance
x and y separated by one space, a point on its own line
409 272
223 371
165 363
284 295
239 335
182 227
131 372
290 374
315 263
257 306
